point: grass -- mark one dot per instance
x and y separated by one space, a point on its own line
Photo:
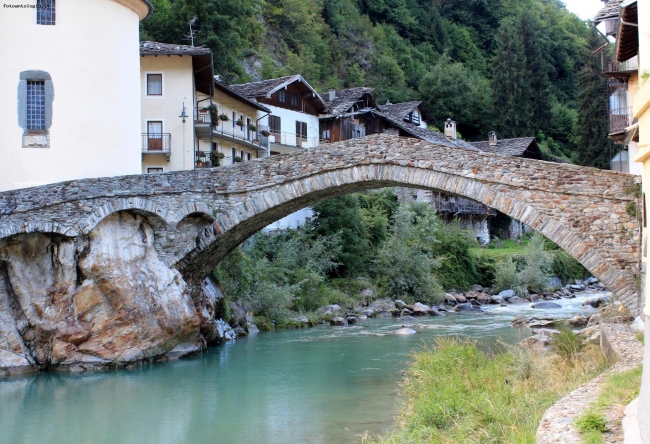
456 393
641 337
509 247
620 389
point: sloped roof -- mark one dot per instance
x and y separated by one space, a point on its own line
424 133
221 86
345 99
520 147
157 48
265 88
627 44
610 11
201 60
399 110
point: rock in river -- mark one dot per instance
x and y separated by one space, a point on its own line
404 331
338 322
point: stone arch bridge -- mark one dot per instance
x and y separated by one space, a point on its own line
98 270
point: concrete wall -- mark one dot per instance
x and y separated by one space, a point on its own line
92 56
177 87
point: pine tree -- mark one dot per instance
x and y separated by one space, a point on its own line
513 110
538 68
592 127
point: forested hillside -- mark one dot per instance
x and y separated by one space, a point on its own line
507 65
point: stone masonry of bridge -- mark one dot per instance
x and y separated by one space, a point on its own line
103 270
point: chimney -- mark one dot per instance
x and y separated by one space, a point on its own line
332 95
492 138
450 129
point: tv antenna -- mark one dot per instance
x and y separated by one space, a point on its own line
192 31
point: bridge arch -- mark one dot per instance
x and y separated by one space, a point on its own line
207 213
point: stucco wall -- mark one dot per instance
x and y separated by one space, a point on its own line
177 87
226 105
92 56
288 122
644 398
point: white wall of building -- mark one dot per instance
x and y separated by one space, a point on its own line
288 121
92 56
635 167
177 88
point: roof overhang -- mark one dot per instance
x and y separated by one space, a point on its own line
143 8
235 95
298 78
627 43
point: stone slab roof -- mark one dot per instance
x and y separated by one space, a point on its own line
221 86
509 147
425 134
399 110
609 11
344 100
157 48
265 87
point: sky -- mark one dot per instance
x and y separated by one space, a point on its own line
585 9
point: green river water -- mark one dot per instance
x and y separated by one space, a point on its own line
318 385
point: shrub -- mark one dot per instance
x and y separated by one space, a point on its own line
567 344
591 421
566 267
506 276
535 274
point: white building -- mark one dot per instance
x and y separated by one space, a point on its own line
295 106
174 80
69 90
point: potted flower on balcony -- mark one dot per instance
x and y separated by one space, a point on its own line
216 158
237 159
265 133
213 115
223 117
240 123
253 128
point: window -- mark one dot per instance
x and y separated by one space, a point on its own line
234 119
301 129
326 134
45 12
233 154
248 156
294 99
155 136
275 125
282 96
151 170
35 105
242 154
154 84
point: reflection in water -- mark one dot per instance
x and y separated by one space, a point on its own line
321 385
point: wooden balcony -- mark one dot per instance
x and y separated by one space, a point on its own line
619 119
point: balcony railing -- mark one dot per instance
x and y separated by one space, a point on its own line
293 139
619 119
156 143
242 133
202 116
610 66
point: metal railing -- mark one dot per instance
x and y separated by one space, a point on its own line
293 139
619 119
243 133
612 66
202 116
156 142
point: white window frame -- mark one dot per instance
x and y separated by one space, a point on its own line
156 167
162 84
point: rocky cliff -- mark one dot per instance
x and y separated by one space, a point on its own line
96 301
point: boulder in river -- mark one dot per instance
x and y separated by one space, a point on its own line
460 298
468 308
368 312
351 319
517 300
331 310
545 305
450 299
496 299
507 294
338 321
597 302
420 309
400 304
406 312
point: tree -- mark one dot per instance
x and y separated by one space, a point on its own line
512 109
593 147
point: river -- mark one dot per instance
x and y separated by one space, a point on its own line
319 385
